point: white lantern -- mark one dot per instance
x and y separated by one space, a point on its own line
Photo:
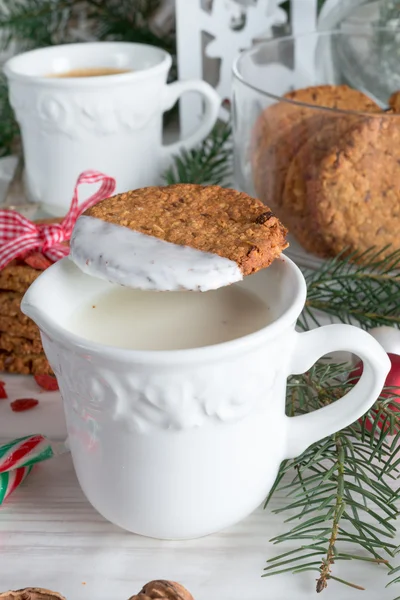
211 33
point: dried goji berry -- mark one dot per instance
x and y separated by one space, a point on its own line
38 261
3 393
47 382
23 404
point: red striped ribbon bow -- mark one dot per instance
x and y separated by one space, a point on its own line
19 235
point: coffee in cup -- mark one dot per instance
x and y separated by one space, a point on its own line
90 72
97 106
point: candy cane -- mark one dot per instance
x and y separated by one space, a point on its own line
18 457
24 452
10 480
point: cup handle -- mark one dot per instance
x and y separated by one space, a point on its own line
304 430
212 105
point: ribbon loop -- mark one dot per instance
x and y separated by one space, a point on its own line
19 235
51 235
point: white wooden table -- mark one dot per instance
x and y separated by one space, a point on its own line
51 537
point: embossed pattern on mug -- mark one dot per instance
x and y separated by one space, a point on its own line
180 398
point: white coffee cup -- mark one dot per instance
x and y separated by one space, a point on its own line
110 123
182 443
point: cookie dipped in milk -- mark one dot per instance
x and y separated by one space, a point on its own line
170 240
178 237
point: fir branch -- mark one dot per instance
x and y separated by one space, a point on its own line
209 163
325 569
127 20
362 288
341 492
35 23
9 130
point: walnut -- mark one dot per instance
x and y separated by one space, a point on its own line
31 594
162 590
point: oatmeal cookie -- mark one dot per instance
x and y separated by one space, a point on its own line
304 168
19 345
10 303
21 349
394 102
28 364
221 221
20 326
17 277
355 200
284 127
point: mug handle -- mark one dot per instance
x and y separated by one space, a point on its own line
212 105
304 430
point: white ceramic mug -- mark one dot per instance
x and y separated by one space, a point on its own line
110 123
179 444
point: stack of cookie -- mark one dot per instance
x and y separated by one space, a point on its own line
20 346
327 160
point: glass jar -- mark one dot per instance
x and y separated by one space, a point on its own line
326 160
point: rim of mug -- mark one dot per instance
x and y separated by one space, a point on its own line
11 74
184 356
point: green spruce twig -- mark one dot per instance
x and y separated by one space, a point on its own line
127 20
9 131
209 163
361 288
342 490
35 23
328 561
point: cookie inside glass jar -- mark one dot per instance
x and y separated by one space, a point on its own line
168 240
325 159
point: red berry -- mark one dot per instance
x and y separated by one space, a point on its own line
3 393
47 382
38 261
23 404
392 381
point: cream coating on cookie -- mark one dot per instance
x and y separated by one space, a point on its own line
127 257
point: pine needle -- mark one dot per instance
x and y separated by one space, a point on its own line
9 130
35 23
366 292
209 163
